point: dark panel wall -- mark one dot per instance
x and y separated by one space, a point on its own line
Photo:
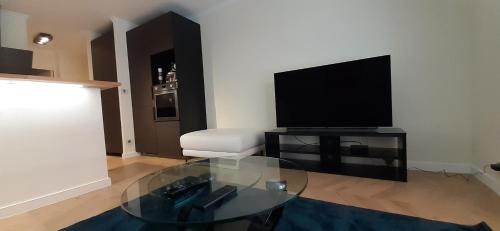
103 57
104 69
191 84
111 119
168 135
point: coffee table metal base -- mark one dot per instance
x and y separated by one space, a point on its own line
267 221
262 222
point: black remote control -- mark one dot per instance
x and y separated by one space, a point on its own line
185 185
215 197
496 166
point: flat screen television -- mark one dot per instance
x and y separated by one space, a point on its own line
355 94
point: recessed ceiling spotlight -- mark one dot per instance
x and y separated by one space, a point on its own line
43 38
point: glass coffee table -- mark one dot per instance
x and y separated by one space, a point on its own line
202 194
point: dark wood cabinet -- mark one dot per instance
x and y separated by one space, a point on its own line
191 83
167 135
145 130
173 36
104 69
141 86
111 120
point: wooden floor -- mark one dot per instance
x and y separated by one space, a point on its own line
428 195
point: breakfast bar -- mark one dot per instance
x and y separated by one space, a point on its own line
51 139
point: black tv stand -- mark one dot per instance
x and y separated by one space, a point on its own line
371 129
331 152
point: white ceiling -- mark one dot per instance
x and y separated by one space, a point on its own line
94 15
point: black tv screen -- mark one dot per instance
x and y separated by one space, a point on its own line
349 94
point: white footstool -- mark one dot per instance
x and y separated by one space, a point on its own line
232 143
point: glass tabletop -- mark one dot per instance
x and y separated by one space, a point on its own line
258 184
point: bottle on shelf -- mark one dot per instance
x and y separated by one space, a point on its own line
171 75
160 75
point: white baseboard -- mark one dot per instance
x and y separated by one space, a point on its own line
51 198
130 154
487 179
439 166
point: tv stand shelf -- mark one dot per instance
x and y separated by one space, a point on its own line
374 152
330 152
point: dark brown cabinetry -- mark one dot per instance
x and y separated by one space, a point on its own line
167 39
104 69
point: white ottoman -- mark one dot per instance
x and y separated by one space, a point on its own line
233 143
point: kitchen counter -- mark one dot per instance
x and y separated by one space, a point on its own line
52 140
103 85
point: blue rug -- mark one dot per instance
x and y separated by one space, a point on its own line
300 214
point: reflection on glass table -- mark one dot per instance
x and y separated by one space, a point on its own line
215 191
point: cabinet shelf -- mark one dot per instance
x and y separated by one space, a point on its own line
373 152
357 170
300 148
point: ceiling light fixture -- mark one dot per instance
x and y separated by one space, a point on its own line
42 38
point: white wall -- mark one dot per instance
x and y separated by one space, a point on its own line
66 55
120 27
486 80
14 29
245 42
52 144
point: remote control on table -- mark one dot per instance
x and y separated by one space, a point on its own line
192 183
215 197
